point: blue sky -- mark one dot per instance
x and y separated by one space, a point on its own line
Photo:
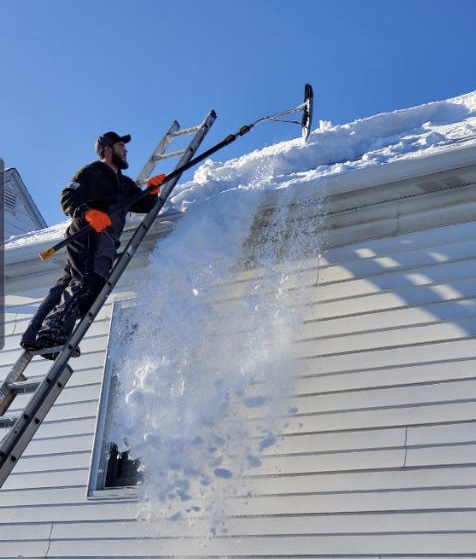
74 69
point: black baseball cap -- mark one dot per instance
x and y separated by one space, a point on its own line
110 138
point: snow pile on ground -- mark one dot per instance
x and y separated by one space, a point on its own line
190 368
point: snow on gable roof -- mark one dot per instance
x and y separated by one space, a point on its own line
387 146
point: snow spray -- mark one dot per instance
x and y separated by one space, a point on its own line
206 368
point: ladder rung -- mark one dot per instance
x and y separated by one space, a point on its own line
54 349
170 154
47 350
24 387
186 131
8 421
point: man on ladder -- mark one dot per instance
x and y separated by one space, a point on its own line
96 196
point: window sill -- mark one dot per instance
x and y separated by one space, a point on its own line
115 493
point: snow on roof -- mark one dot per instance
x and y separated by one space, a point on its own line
331 151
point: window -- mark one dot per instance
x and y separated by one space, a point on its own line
113 474
120 471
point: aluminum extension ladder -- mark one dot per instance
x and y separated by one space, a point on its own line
45 391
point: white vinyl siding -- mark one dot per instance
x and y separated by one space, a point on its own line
379 459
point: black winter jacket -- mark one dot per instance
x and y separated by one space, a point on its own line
97 186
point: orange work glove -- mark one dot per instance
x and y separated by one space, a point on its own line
97 219
153 184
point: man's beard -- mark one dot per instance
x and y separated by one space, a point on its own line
119 162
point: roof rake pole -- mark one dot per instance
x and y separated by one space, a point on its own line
306 108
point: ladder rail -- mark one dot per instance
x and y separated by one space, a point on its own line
49 389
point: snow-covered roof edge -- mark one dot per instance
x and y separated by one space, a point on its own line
28 246
337 160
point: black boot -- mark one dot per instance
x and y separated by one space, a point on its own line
56 332
28 340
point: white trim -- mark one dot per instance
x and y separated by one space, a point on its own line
97 472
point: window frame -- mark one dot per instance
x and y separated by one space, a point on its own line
97 489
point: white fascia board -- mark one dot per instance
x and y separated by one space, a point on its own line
406 169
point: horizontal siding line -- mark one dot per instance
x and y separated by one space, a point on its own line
35 300
99 351
134 521
46 524
396 368
37 361
76 371
251 534
281 535
386 348
356 513
380 469
345 311
384 428
70 387
367 449
26 474
66 420
10 364
85 339
404 306
361 471
47 454
26 319
349 262
276 514
395 290
378 491
97 503
406 328
58 405
297 415
245 494
426 307
273 515
49 488
398 270
321 473
61 437
386 387
18 334
394 249
377 428
394 270
306 555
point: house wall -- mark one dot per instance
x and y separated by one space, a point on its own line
379 460
21 214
